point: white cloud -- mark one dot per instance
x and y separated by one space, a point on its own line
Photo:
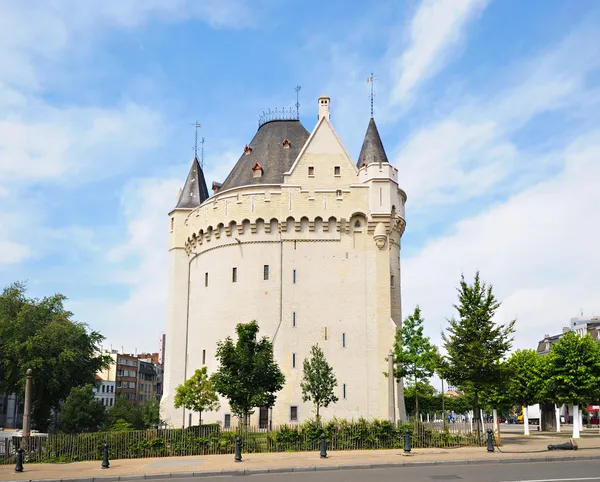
539 249
436 28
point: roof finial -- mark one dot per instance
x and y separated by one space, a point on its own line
297 89
196 142
371 80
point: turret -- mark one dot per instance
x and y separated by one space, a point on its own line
194 191
372 149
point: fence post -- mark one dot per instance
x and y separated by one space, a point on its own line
490 440
238 449
407 441
105 462
323 446
19 466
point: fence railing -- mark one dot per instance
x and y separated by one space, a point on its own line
212 439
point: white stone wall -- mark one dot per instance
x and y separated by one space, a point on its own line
342 278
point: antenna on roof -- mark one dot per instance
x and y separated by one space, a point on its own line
371 80
202 153
196 142
297 89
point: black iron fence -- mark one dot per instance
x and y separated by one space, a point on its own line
212 439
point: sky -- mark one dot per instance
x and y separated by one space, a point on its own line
490 110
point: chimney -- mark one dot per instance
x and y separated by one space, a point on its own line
324 107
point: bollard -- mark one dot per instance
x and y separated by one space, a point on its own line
105 462
490 440
407 441
323 446
238 449
19 467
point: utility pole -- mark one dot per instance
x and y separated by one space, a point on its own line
27 408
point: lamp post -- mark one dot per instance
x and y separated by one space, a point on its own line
27 407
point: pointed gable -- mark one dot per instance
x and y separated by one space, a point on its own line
372 149
194 190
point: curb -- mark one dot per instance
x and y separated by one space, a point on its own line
310 468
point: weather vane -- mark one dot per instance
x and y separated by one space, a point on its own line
297 89
371 80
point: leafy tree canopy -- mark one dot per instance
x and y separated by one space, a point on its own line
572 374
318 381
475 345
125 416
248 376
525 377
197 394
415 357
41 335
81 412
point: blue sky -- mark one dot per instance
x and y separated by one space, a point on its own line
490 110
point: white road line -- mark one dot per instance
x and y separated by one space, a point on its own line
556 480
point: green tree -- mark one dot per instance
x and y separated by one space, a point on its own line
475 345
151 414
248 376
197 394
572 374
415 357
40 334
318 381
123 414
81 412
525 380
420 396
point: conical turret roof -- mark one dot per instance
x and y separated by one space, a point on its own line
372 148
194 191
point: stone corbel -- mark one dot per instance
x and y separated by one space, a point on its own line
380 236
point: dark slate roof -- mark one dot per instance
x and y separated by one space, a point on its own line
268 151
372 148
194 191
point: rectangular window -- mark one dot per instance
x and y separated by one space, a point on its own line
293 360
336 171
344 340
311 171
234 275
338 194
293 414
204 357
172 223
103 388
344 391
111 402
392 281
205 279
294 277
294 319
227 421
266 272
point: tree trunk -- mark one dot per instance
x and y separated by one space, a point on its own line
548 417
318 416
476 415
576 421
525 419
416 403
496 427
200 420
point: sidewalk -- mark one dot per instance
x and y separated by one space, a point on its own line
529 449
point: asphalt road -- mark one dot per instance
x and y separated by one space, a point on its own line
585 470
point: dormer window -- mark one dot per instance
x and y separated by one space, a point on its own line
247 150
257 171
286 143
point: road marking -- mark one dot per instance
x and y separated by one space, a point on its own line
556 480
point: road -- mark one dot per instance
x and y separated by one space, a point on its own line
582 471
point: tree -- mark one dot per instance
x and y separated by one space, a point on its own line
420 396
197 394
415 357
525 380
123 414
318 381
475 345
151 414
81 412
41 335
572 373
247 376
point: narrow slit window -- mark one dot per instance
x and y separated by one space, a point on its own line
294 319
293 360
293 414
172 223
392 281
204 357
294 276
266 272
336 171
344 340
344 391
234 275
205 279
227 421
311 171
338 193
